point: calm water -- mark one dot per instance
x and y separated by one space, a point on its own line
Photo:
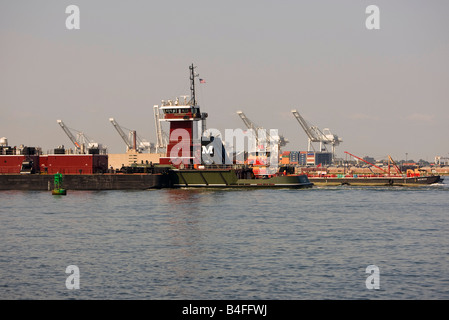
226 244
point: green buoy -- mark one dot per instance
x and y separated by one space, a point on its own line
58 190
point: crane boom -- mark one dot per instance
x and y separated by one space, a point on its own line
69 134
160 139
366 161
121 133
279 141
314 134
248 123
307 128
252 126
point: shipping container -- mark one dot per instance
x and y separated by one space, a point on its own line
11 163
323 158
19 163
74 164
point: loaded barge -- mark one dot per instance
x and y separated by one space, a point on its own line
376 181
383 178
26 169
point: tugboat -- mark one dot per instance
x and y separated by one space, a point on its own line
188 148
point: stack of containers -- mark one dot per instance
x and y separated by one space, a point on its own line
285 158
310 158
323 158
294 157
302 160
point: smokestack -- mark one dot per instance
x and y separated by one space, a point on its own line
134 140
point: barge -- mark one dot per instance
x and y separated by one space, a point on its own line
385 178
45 182
376 181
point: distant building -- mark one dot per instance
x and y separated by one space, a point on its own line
444 161
369 159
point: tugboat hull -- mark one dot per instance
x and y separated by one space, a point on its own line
228 179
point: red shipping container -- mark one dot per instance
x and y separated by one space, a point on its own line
69 164
13 163
74 164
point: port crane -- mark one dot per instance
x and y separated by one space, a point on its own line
161 136
132 141
82 142
280 140
314 134
70 135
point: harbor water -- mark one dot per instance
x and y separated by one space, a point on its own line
226 244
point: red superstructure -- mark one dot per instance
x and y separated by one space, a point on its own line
186 126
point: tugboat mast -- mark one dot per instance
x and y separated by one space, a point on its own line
192 84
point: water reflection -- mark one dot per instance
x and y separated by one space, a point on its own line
187 231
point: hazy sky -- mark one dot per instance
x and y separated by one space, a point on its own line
384 92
